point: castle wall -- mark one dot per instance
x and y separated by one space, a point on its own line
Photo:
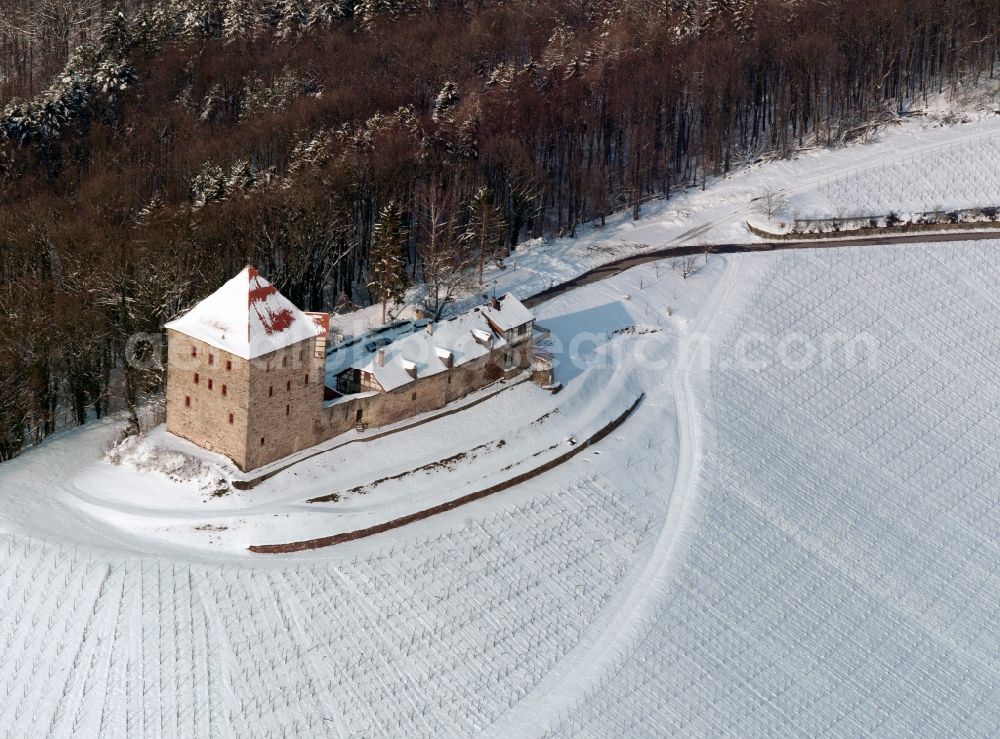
286 398
198 412
276 400
420 396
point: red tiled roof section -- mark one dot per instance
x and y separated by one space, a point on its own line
248 317
322 321
258 298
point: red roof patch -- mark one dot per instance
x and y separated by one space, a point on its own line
248 317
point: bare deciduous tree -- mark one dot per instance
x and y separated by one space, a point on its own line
771 203
687 266
446 262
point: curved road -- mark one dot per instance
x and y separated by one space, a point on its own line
620 265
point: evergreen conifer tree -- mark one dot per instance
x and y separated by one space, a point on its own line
388 278
446 100
239 19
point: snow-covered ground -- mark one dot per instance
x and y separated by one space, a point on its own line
953 177
794 534
611 342
153 608
844 571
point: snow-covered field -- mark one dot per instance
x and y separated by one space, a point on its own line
845 569
795 533
955 176
155 612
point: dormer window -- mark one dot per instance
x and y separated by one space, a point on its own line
447 358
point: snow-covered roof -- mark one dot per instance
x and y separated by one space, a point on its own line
247 317
507 312
421 353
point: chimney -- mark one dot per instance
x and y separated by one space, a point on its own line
381 358
495 303
430 328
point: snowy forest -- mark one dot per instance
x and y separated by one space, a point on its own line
148 151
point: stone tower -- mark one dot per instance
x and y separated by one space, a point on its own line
245 372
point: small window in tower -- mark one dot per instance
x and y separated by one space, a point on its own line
413 396
225 391
449 379
307 379
195 378
262 441
230 419
288 410
194 351
210 383
211 358
187 401
229 364
270 391
284 361
288 385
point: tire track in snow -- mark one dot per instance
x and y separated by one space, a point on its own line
534 714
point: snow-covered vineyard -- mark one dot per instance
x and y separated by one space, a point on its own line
844 572
438 635
795 533
831 568
954 176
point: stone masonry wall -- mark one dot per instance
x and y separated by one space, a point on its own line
201 413
276 401
286 398
424 395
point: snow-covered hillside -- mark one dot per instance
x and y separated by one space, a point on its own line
815 552
955 176
843 565
795 533
441 628
887 174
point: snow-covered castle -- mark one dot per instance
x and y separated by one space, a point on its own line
251 376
